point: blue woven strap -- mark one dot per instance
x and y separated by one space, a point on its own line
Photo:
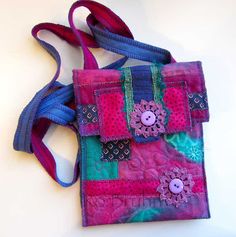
51 102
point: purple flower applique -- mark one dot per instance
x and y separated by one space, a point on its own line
176 186
148 119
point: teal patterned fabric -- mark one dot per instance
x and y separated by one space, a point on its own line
192 148
95 168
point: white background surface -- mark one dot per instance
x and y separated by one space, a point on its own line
31 204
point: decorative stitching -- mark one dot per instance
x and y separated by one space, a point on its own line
97 83
95 168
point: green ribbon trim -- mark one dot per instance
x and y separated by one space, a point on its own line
158 87
157 83
128 91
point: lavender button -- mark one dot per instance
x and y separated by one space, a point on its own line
148 118
176 186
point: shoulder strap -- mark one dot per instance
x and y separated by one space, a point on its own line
50 104
112 34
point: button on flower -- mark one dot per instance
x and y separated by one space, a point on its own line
176 186
148 119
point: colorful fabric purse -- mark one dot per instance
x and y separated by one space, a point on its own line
140 127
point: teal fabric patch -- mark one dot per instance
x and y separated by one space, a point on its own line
143 215
192 148
93 167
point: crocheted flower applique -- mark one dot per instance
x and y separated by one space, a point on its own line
148 119
176 186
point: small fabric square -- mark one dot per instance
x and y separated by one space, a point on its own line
198 101
88 114
116 150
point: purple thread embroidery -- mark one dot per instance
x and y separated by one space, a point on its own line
147 129
170 188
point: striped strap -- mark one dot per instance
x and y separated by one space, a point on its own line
54 102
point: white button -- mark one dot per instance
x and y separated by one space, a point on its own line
148 118
176 186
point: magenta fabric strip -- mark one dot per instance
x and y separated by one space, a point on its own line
66 34
106 17
131 187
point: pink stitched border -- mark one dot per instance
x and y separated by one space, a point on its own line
104 137
183 85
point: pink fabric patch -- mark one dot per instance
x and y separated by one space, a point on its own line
121 187
112 118
130 187
200 115
176 100
87 81
190 72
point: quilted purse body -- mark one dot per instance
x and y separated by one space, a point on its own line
137 171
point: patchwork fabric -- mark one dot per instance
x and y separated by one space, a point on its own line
191 147
116 150
112 118
198 101
88 114
169 85
94 168
175 99
129 178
